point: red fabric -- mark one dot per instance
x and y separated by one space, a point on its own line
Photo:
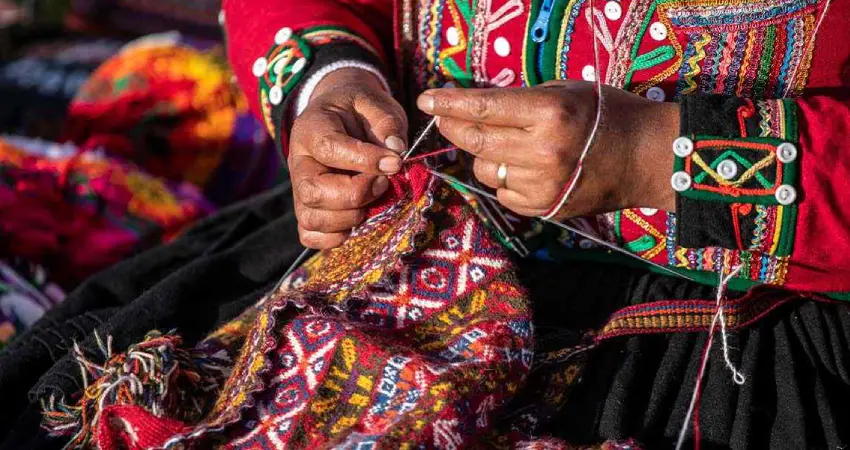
821 257
250 26
133 428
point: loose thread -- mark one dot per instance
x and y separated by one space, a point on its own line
428 155
577 172
737 376
452 180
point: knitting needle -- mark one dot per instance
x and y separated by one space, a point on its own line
583 234
307 251
419 140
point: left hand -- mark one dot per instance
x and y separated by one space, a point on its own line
540 132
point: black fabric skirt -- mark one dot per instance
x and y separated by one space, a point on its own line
796 359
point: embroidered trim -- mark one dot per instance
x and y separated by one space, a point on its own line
764 173
748 49
284 65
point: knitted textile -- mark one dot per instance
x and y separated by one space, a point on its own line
414 331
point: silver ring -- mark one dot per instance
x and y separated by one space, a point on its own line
502 175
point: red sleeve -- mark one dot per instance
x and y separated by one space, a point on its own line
250 28
820 260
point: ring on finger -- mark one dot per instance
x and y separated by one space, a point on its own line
502 175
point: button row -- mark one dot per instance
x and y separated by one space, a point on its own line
728 169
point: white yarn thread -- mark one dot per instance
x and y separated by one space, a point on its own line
737 376
309 85
592 136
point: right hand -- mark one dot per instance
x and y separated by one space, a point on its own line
342 147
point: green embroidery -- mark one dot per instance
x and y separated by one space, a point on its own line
529 65
657 56
550 46
641 244
459 75
766 60
743 161
465 11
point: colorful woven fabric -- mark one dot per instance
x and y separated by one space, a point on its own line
414 331
77 213
174 111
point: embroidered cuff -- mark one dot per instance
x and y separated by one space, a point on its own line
296 56
736 174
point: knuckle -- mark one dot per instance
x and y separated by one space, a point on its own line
313 220
553 112
548 155
477 140
390 123
308 192
324 147
479 108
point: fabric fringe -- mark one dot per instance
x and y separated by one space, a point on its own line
157 375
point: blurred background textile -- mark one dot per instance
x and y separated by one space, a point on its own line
120 126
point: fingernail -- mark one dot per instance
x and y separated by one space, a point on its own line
437 120
395 144
425 102
380 185
389 164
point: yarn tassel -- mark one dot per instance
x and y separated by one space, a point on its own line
155 375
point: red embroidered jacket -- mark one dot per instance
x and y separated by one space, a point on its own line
763 183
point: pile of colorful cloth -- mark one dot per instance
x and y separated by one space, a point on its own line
155 138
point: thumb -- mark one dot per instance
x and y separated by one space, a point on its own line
383 120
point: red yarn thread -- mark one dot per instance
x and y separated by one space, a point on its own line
426 155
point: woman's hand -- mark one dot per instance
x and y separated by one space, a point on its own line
341 149
539 134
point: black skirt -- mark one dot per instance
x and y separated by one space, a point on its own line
796 358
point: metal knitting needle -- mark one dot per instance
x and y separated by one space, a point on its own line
419 139
300 259
583 234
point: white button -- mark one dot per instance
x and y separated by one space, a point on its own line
276 95
585 244
613 10
681 181
588 73
449 84
221 17
282 35
299 65
656 94
683 147
727 169
786 152
502 46
452 36
260 66
648 212
658 31
786 194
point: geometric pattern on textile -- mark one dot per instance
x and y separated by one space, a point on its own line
413 332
